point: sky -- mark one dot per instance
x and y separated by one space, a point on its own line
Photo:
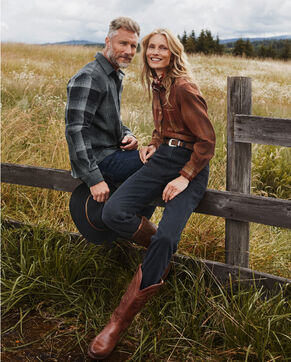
42 21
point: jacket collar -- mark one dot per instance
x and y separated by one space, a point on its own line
106 65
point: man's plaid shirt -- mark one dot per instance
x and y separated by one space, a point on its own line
94 128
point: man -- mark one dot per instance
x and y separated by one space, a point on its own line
103 150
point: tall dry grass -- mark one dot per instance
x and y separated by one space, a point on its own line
58 293
34 97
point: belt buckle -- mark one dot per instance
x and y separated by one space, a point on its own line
174 139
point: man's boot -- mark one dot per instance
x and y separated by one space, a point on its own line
131 303
144 232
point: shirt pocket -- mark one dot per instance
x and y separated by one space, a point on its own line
172 121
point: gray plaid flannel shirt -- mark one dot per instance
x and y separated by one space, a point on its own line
94 128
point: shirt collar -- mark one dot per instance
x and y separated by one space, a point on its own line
107 66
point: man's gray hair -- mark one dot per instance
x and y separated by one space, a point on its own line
125 23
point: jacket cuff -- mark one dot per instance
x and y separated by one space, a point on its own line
92 178
128 133
189 176
155 142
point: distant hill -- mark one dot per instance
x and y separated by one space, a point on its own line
221 41
252 40
76 42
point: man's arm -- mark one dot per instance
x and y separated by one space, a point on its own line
126 131
83 100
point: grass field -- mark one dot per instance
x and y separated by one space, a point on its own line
57 294
34 97
45 274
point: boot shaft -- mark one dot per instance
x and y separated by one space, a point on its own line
134 299
144 232
131 303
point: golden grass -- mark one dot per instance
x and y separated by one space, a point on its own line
34 97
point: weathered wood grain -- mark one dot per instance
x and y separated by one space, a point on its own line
267 131
48 178
230 205
238 173
246 208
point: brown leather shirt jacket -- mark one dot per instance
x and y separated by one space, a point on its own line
184 117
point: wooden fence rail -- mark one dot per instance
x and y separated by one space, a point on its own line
243 129
266 131
226 204
235 204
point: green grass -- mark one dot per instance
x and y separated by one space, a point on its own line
271 175
193 318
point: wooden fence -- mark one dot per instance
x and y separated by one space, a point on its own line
244 129
235 204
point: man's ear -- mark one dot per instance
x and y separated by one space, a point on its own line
107 41
107 45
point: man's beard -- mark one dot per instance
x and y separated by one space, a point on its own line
114 61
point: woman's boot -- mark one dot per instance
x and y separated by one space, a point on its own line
144 232
131 303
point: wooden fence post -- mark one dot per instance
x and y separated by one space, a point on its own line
238 172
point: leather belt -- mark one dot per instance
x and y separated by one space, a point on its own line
174 142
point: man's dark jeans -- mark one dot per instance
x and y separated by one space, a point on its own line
121 210
118 166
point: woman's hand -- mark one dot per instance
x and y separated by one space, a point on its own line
146 152
174 188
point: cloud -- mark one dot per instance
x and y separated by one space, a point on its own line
131 7
255 17
39 21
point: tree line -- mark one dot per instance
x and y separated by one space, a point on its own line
207 44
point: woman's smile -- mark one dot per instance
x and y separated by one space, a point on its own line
158 53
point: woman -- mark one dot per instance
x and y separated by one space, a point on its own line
175 166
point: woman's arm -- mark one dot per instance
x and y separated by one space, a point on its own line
193 109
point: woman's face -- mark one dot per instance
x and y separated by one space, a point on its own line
158 54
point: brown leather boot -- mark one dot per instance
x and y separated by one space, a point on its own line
144 232
131 303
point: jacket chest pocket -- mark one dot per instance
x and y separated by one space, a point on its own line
172 120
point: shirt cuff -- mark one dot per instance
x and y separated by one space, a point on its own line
189 176
155 142
92 178
128 133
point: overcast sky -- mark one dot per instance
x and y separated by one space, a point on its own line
40 21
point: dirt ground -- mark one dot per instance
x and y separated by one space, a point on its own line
46 340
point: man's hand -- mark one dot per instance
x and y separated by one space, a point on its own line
100 191
174 188
146 152
129 143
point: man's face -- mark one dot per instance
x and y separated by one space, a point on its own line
121 47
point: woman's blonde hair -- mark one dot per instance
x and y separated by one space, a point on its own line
178 67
